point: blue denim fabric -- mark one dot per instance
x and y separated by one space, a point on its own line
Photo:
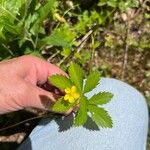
130 125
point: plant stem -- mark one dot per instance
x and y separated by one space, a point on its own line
10 51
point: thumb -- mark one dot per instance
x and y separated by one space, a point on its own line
38 98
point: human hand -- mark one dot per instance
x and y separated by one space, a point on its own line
19 78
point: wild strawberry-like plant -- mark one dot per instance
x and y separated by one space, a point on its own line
75 94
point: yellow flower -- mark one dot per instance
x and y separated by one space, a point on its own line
71 94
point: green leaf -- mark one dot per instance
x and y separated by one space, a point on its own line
62 106
101 98
112 3
57 38
81 116
46 9
102 3
100 116
1 32
66 52
76 75
10 8
60 81
92 81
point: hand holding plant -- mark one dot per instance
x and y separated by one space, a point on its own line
75 93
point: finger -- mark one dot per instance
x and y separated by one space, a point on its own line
39 68
45 69
48 87
38 98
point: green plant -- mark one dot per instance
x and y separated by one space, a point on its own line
75 94
109 35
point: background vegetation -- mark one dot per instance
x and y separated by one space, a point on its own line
112 36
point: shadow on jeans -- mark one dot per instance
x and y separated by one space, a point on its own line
66 122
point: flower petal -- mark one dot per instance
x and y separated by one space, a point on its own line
71 99
67 90
73 89
76 95
66 97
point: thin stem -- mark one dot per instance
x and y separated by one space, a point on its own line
31 40
125 60
36 41
10 14
64 58
92 54
11 53
11 126
52 56
30 119
83 41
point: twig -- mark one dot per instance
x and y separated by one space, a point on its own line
83 41
14 125
142 82
31 40
92 54
139 10
125 53
52 56
62 60
45 115
8 49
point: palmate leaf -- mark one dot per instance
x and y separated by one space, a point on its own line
76 75
10 8
92 81
100 116
9 11
57 38
62 37
81 116
60 81
101 98
62 106
46 9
